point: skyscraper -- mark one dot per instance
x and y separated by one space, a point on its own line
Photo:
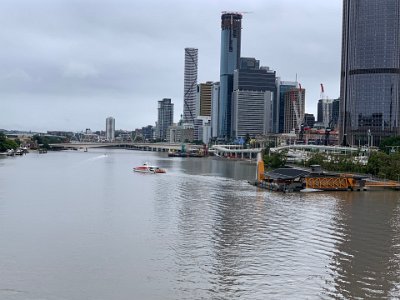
231 27
370 76
110 129
214 109
254 89
190 85
165 117
279 104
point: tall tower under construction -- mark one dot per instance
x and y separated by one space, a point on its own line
370 75
231 27
190 85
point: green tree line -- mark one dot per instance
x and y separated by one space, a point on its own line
6 143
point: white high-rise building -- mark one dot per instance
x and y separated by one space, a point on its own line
110 129
190 85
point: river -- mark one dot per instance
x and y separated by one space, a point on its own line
82 225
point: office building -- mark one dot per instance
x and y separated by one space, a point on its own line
190 85
180 133
278 115
214 109
335 113
294 109
165 117
202 129
231 27
370 75
309 120
204 99
148 132
254 89
110 129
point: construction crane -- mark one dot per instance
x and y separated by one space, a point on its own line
295 108
322 96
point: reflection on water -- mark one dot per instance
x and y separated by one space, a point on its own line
84 226
366 264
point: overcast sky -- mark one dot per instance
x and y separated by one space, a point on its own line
69 64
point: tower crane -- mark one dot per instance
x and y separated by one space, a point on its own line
295 108
322 96
296 104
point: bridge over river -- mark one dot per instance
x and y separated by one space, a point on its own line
157 147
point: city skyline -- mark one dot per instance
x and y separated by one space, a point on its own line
67 68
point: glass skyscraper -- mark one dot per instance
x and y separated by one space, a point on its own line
370 76
231 27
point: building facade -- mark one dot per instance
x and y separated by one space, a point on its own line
309 120
294 109
335 113
278 107
165 117
214 110
190 85
204 99
370 75
231 27
110 129
324 115
148 132
254 89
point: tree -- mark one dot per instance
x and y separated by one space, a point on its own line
377 162
275 160
387 143
6 143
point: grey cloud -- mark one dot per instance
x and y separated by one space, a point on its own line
119 57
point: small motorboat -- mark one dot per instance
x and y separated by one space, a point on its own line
146 168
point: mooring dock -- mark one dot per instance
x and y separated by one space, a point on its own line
315 179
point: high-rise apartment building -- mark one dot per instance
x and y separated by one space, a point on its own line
254 89
231 27
190 85
294 109
165 117
370 75
110 129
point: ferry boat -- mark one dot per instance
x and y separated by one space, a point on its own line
146 168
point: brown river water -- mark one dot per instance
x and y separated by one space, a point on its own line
83 225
